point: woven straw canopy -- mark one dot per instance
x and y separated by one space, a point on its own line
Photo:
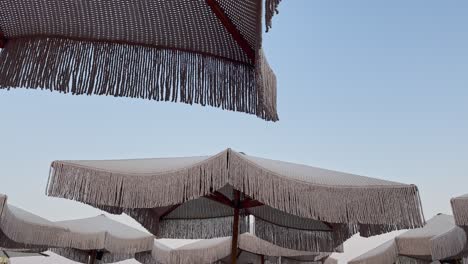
102 238
219 249
207 52
421 245
20 229
296 206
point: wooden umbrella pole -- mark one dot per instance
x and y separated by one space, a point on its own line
262 257
92 257
235 227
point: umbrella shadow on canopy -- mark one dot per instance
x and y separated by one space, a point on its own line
206 52
298 206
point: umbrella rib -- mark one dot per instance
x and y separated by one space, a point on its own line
244 204
220 198
232 29
319 230
249 203
168 211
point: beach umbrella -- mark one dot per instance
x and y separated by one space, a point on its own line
20 229
460 212
454 244
296 206
218 250
413 246
207 52
102 240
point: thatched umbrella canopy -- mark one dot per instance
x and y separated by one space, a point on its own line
102 240
207 52
20 229
414 246
218 250
297 206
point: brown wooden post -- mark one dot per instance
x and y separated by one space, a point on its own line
235 227
92 257
262 257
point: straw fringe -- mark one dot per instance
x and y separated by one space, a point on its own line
86 241
200 228
146 258
83 256
72 254
408 260
160 253
460 210
302 240
271 8
3 200
449 245
30 234
413 246
128 246
391 207
146 218
187 256
6 242
258 246
395 207
201 255
266 79
136 71
118 190
104 240
465 260
374 230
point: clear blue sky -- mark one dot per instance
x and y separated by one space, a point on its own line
372 87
